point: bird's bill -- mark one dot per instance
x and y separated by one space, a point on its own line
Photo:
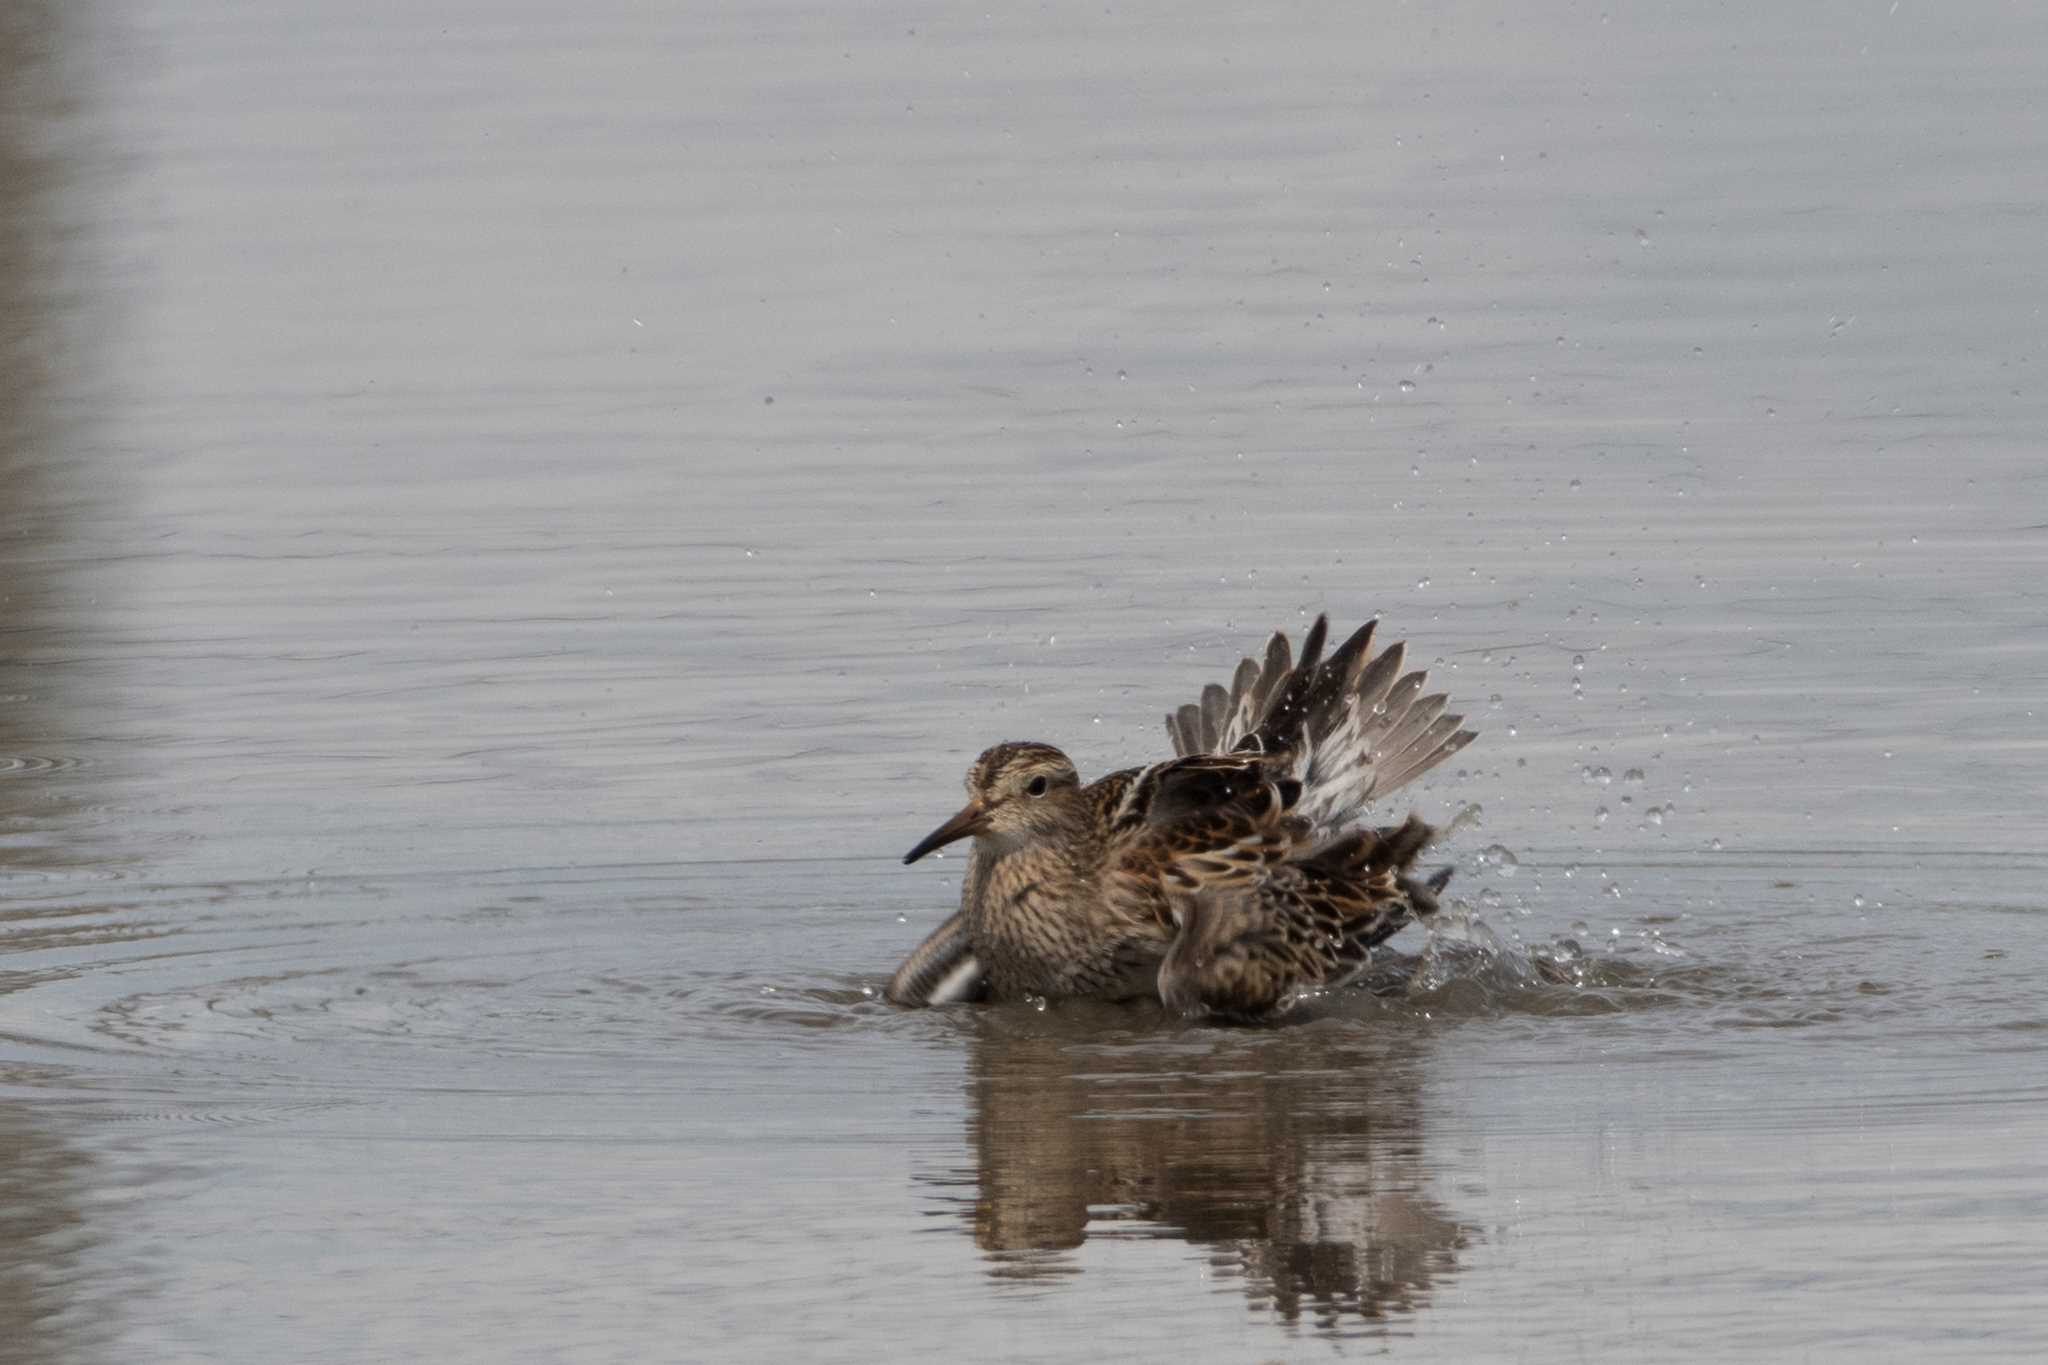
970 820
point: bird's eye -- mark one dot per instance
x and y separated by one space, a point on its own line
1035 787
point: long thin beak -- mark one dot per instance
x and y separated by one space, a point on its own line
968 821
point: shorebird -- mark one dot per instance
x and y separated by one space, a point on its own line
1229 880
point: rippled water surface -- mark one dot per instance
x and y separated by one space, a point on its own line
513 516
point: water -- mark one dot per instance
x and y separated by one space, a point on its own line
516 515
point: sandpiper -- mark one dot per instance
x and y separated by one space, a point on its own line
1229 880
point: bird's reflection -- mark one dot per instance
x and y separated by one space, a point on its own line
1295 1155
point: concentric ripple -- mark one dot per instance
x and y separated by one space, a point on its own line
502 1009
469 1016
17 765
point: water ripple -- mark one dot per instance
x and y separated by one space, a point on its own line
466 1015
18 765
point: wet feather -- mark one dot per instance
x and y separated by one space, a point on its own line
1229 879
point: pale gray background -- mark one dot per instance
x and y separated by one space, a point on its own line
514 515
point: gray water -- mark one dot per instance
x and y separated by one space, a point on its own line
513 516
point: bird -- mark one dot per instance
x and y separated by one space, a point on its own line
1229 881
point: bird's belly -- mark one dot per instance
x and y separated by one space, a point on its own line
1116 979
1064 957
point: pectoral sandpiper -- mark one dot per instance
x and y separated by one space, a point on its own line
1230 879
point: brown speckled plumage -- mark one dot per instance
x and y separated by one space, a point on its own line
1228 880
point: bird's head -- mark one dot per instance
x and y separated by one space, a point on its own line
1016 793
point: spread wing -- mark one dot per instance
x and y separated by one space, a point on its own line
1349 728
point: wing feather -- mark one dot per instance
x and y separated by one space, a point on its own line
942 970
1350 726
1378 678
1210 821
1215 706
1414 721
1254 836
1427 752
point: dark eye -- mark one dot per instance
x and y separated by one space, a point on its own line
1035 787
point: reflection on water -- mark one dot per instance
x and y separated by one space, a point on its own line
1294 1155
44 1234
50 1308
490 722
26 187
41 488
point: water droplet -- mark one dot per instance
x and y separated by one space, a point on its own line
1500 858
1714 844
1856 901
750 554
1633 775
1578 663
1575 485
1599 777
1600 816
1407 386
